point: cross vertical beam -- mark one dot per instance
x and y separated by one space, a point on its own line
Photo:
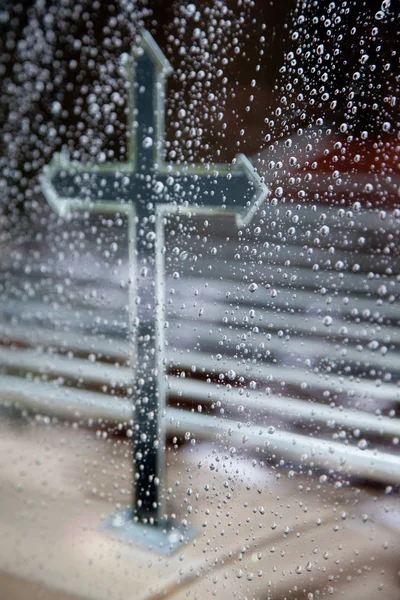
146 128
149 402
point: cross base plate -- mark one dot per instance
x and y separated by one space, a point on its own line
162 539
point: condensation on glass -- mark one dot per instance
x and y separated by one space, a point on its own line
199 326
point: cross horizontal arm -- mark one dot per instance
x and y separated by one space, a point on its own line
232 192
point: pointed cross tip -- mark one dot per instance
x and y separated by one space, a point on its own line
147 44
59 160
250 170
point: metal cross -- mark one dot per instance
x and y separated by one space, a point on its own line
147 189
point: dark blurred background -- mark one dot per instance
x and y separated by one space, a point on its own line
246 73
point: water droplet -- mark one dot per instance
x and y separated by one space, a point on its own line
147 142
190 10
324 230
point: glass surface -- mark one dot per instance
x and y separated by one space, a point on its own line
199 280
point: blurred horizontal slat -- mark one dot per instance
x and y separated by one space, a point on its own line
72 368
321 454
86 343
52 399
299 411
268 374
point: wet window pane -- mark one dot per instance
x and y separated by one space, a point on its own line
199 341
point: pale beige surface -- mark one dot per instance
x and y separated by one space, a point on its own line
58 485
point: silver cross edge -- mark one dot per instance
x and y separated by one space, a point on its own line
147 189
